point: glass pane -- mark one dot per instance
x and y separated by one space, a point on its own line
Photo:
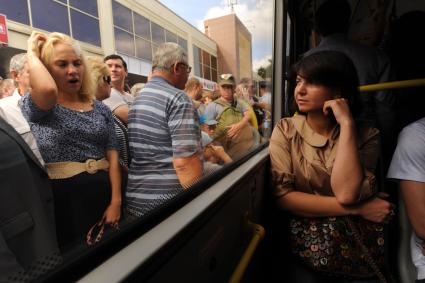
154 48
57 19
206 72
16 10
213 62
158 35
197 68
88 6
122 16
170 37
183 43
205 58
196 54
143 49
124 42
142 26
85 28
214 75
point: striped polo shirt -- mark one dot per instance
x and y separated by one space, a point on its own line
163 125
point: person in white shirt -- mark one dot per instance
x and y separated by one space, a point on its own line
119 101
408 167
10 109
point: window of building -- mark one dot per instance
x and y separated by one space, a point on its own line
122 17
147 35
57 19
143 49
205 64
51 15
170 37
197 61
85 28
158 33
124 42
16 10
142 26
183 43
88 6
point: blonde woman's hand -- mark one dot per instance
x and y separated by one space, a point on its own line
112 214
340 109
35 42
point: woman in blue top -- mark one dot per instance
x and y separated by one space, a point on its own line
75 134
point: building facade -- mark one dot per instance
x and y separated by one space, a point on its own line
130 28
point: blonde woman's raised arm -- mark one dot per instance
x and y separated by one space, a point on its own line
44 91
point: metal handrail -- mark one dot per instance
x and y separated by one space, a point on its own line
258 234
392 85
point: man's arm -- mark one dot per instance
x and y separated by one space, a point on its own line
122 113
188 169
413 194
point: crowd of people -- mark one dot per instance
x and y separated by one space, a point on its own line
106 154
95 153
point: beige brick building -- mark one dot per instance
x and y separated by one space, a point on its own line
234 45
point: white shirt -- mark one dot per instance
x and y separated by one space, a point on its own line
10 111
117 99
408 163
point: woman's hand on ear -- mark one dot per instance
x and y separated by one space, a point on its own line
340 109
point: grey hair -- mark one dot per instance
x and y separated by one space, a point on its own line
166 55
17 62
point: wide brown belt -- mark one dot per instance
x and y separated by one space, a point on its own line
63 170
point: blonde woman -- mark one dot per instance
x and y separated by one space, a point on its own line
75 134
101 75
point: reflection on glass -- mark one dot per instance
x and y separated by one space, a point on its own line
183 43
88 6
124 42
205 58
85 28
158 33
206 72
16 10
214 75
143 49
57 19
213 62
170 37
122 16
221 85
142 26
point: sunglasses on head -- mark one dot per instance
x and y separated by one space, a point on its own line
107 79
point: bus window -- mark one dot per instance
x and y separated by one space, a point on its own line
226 49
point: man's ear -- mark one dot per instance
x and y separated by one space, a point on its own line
13 75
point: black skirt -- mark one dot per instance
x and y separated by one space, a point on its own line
80 202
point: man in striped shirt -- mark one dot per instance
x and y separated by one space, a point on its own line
164 134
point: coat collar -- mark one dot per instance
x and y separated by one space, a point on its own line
311 137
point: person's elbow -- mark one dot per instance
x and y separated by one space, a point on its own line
347 197
188 169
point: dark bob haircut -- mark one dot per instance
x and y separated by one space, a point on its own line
331 69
